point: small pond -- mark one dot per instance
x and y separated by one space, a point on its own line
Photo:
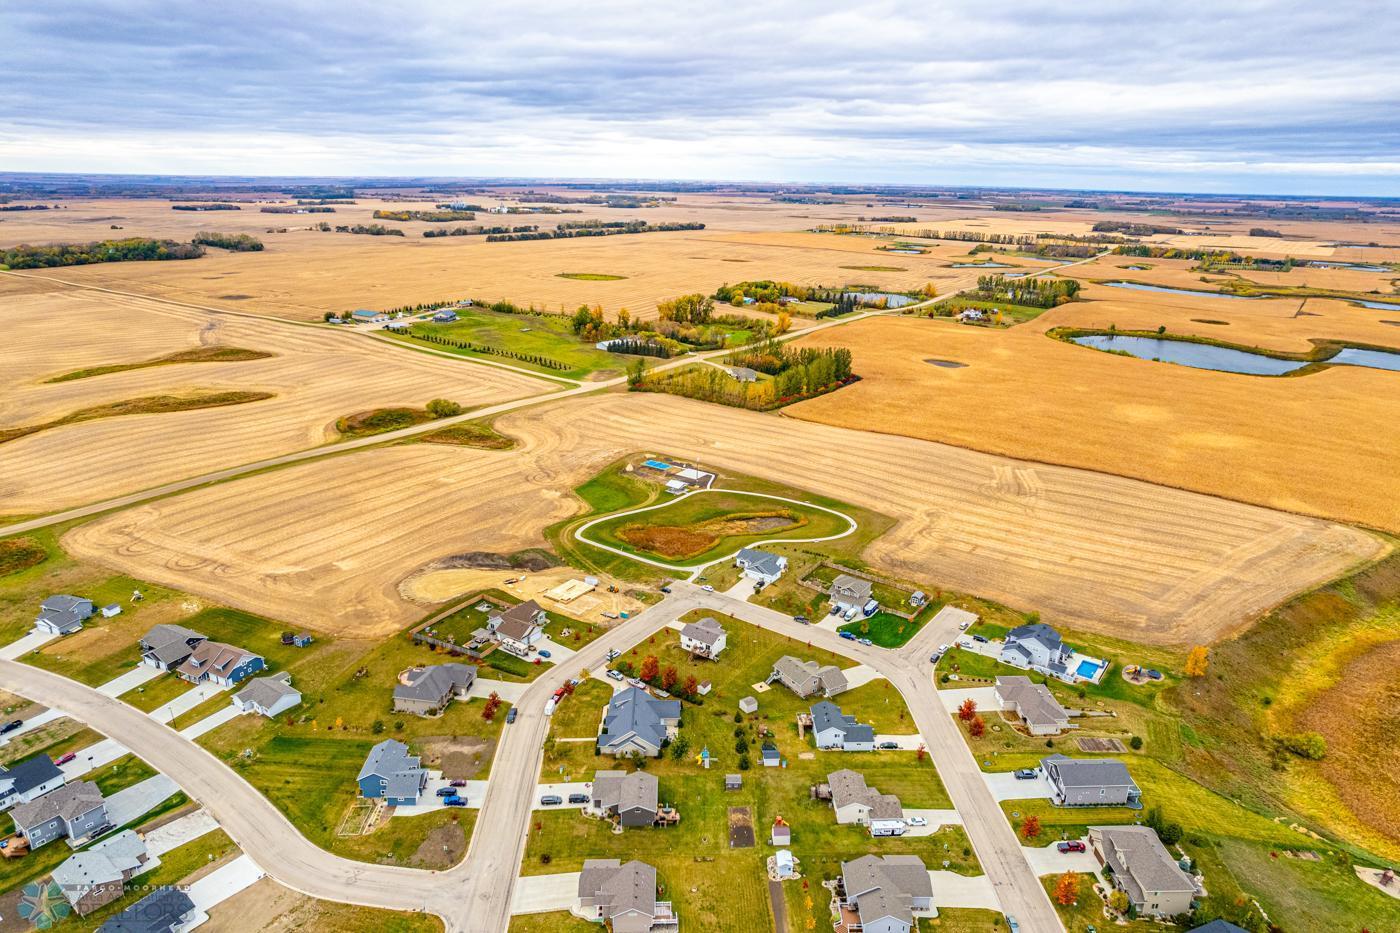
1227 359
1378 305
982 265
1136 286
947 364
906 252
892 299
1353 266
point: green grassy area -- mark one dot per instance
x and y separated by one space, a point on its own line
18 554
120 774
705 525
1087 913
887 629
380 421
540 335
470 434
809 308
458 627
158 692
146 405
589 276
218 354
555 921
963 920
1011 314
578 716
55 739
612 490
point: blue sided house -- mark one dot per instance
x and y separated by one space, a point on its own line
391 774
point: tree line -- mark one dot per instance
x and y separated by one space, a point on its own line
534 358
795 375
561 232
1028 292
297 210
235 242
218 206
478 231
132 249
430 216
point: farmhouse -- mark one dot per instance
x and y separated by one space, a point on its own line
1033 703
705 639
426 691
623 896
445 316
98 876
365 316
631 798
742 373
518 628
73 811
763 566
636 723
1143 869
806 678
390 773
29 780
854 802
218 663
849 594
1094 782
835 730
63 615
885 893
164 910
166 647
268 696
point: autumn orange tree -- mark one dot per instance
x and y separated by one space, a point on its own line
968 709
1030 829
668 678
1067 889
977 728
1197 661
649 667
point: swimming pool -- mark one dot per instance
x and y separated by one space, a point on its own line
1088 669
657 464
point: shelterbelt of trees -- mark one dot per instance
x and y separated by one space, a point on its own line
131 249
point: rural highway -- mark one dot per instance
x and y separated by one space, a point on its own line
476 895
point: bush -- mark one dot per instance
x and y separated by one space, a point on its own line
443 408
377 727
1171 834
744 763
1309 745
1135 742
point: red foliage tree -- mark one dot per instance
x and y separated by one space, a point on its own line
649 668
668 678
1031 827
977 727
968 709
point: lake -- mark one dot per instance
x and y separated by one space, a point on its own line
1136 286
1376 305
1353 266
1227 359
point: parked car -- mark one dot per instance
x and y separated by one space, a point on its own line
980 638
616 675
802 620
933 658
509 580
871 607
574 681
635 681
962 627
578 798
459 783
447 792
849 636
865 641
888 745
1027 774
849 614
833 609
536 660
613 653
551 800
942 649
455 802
1073 845
64 759
917 821
665 589
707 588
1012 925
510 715
11 726
544 652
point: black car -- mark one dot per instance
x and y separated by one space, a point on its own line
447 792
551 800
510 715
578 798
802 620
11 726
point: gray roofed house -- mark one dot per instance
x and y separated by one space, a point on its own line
742 373
63 615
887 892
705 638
805 678
632 798
855 802
391 773
28 780
763 566
426 691
74 811
268 696
834 729
1039 647
219 663
623 895
1090 782
1143 869
161 911
1218 926
98 876
636 723
167 646
848 592
1034 703
519 627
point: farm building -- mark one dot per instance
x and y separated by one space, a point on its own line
445 316
366 316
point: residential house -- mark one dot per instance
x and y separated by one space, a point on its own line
806 678
971 315
704 639
1090 782
166 647
268 696
1040 648
366 316
28 780
1218 926
762 566
855 802
742 373
636 723
1033 703
98 876
884 894
218 663
426 691
63 615
518 628
833 729
445 316
850 593
73 811
623 896
631 798
698 479
390 773
1143 869
164 910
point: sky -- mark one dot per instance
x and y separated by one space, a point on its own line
1249 97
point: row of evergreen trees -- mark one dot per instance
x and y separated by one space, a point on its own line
532 358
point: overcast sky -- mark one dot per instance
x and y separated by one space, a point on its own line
1245 97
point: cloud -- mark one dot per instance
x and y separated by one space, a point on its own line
1262 96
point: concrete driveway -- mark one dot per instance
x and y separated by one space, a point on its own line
186 701
474 791
906 742
562 790
539 893
176 833
984 697
951 889
220 885
131 802
1004 785
860 675
25 644
141 674
94 756
506 690
936 820
1047 860
211 722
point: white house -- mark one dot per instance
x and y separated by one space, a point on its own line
519 627
833 729
762 566
855 802
29 780
1038 647
704 638
63 615
268 696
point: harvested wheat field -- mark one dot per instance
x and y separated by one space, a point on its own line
1178 273
1094 551
314 376
1320 444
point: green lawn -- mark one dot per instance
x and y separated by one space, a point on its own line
884 593
578 716
555 921
157 692
1011 314
704 526
550 336
887 629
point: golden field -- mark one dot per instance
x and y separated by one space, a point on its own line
315 375
1095 551
1320 444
